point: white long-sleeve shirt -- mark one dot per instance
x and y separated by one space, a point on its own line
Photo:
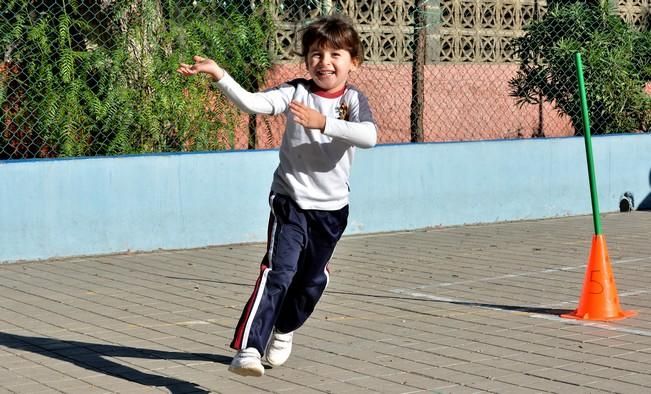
314 167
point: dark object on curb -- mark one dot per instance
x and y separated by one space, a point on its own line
626 202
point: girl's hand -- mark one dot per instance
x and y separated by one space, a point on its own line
201 65
306 116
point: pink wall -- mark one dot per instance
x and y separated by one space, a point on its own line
462 102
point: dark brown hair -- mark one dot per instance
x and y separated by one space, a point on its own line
333 31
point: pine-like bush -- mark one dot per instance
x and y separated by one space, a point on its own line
98 78
616 67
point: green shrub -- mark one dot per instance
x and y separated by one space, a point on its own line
87 80
616 67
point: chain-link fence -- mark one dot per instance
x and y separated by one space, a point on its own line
97 77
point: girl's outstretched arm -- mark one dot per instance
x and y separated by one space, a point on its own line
253 103
201 65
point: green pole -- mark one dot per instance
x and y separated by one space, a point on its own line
588 146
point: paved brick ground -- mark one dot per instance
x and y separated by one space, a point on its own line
467 309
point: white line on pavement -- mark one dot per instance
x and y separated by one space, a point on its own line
530 273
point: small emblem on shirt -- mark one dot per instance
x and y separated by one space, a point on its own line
342 111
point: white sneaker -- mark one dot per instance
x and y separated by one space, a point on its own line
278 348
247 363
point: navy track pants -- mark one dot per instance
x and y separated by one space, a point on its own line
293 272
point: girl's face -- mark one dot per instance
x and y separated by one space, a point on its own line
329 67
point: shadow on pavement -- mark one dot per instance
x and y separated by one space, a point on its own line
92 356
513 308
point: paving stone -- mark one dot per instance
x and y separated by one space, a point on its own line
462 309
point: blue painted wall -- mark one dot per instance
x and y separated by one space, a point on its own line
405 187
58 208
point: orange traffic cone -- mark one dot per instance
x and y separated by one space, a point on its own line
599 300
